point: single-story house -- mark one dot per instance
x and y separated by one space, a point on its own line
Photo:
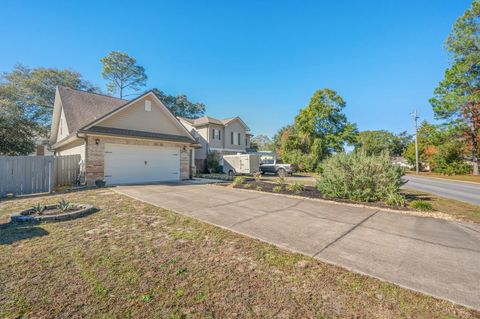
121 141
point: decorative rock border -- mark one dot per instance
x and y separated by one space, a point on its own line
24 217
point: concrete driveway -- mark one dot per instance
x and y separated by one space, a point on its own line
437 257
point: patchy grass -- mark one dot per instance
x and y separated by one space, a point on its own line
457 209
132 259
464 178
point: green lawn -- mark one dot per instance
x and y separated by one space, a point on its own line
135 260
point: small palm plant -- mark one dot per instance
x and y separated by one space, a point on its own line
39 209
63 205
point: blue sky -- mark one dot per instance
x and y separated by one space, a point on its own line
261 60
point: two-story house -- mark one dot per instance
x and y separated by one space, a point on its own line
227 136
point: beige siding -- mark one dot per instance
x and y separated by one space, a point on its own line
62 131
235 127
214 142
135 117
76 147
203 138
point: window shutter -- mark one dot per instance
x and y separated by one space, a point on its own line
231 137
219 134
239 142
213 133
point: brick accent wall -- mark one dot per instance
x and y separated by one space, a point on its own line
95 164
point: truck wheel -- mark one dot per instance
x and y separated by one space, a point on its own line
231 174
281 172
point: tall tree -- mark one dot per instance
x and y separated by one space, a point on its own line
261 142
17 135
122 72
375 142
457 98
30 93
26 103
180 105
319 130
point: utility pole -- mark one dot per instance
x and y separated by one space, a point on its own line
415 119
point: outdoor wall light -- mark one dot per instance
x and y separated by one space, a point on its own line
97 140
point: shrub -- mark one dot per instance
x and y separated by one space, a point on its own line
247 185
395 199
257 176
39 209
238 180
259 188
281 180
213 162
360 177
296 188
63 205
421 205
277 189
448 159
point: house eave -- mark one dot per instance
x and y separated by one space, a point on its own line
123 133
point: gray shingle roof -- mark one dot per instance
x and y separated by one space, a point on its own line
208 120
82 108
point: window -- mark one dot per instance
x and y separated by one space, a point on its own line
148 105
213 133
238 142
219 134
231 138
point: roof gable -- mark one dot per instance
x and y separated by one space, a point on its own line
133 116
82 107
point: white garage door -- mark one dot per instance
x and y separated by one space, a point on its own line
141 164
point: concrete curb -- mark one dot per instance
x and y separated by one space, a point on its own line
436 215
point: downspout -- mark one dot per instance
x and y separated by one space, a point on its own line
83 170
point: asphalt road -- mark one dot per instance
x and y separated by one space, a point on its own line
462 191
434 256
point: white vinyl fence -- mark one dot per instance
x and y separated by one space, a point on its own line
20 175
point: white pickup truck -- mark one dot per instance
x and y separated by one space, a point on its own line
275 166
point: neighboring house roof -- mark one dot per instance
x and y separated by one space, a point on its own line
205 120
82 107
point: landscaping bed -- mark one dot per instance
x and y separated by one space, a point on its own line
134 260
308 192
52 213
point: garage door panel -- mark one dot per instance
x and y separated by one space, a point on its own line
141 164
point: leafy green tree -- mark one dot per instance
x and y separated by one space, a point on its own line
17 136
122 72
320 129
30 93
440 148
180 105
448 158
376 142
457 98
261 142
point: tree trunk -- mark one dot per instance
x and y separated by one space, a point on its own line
121 89
473 135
